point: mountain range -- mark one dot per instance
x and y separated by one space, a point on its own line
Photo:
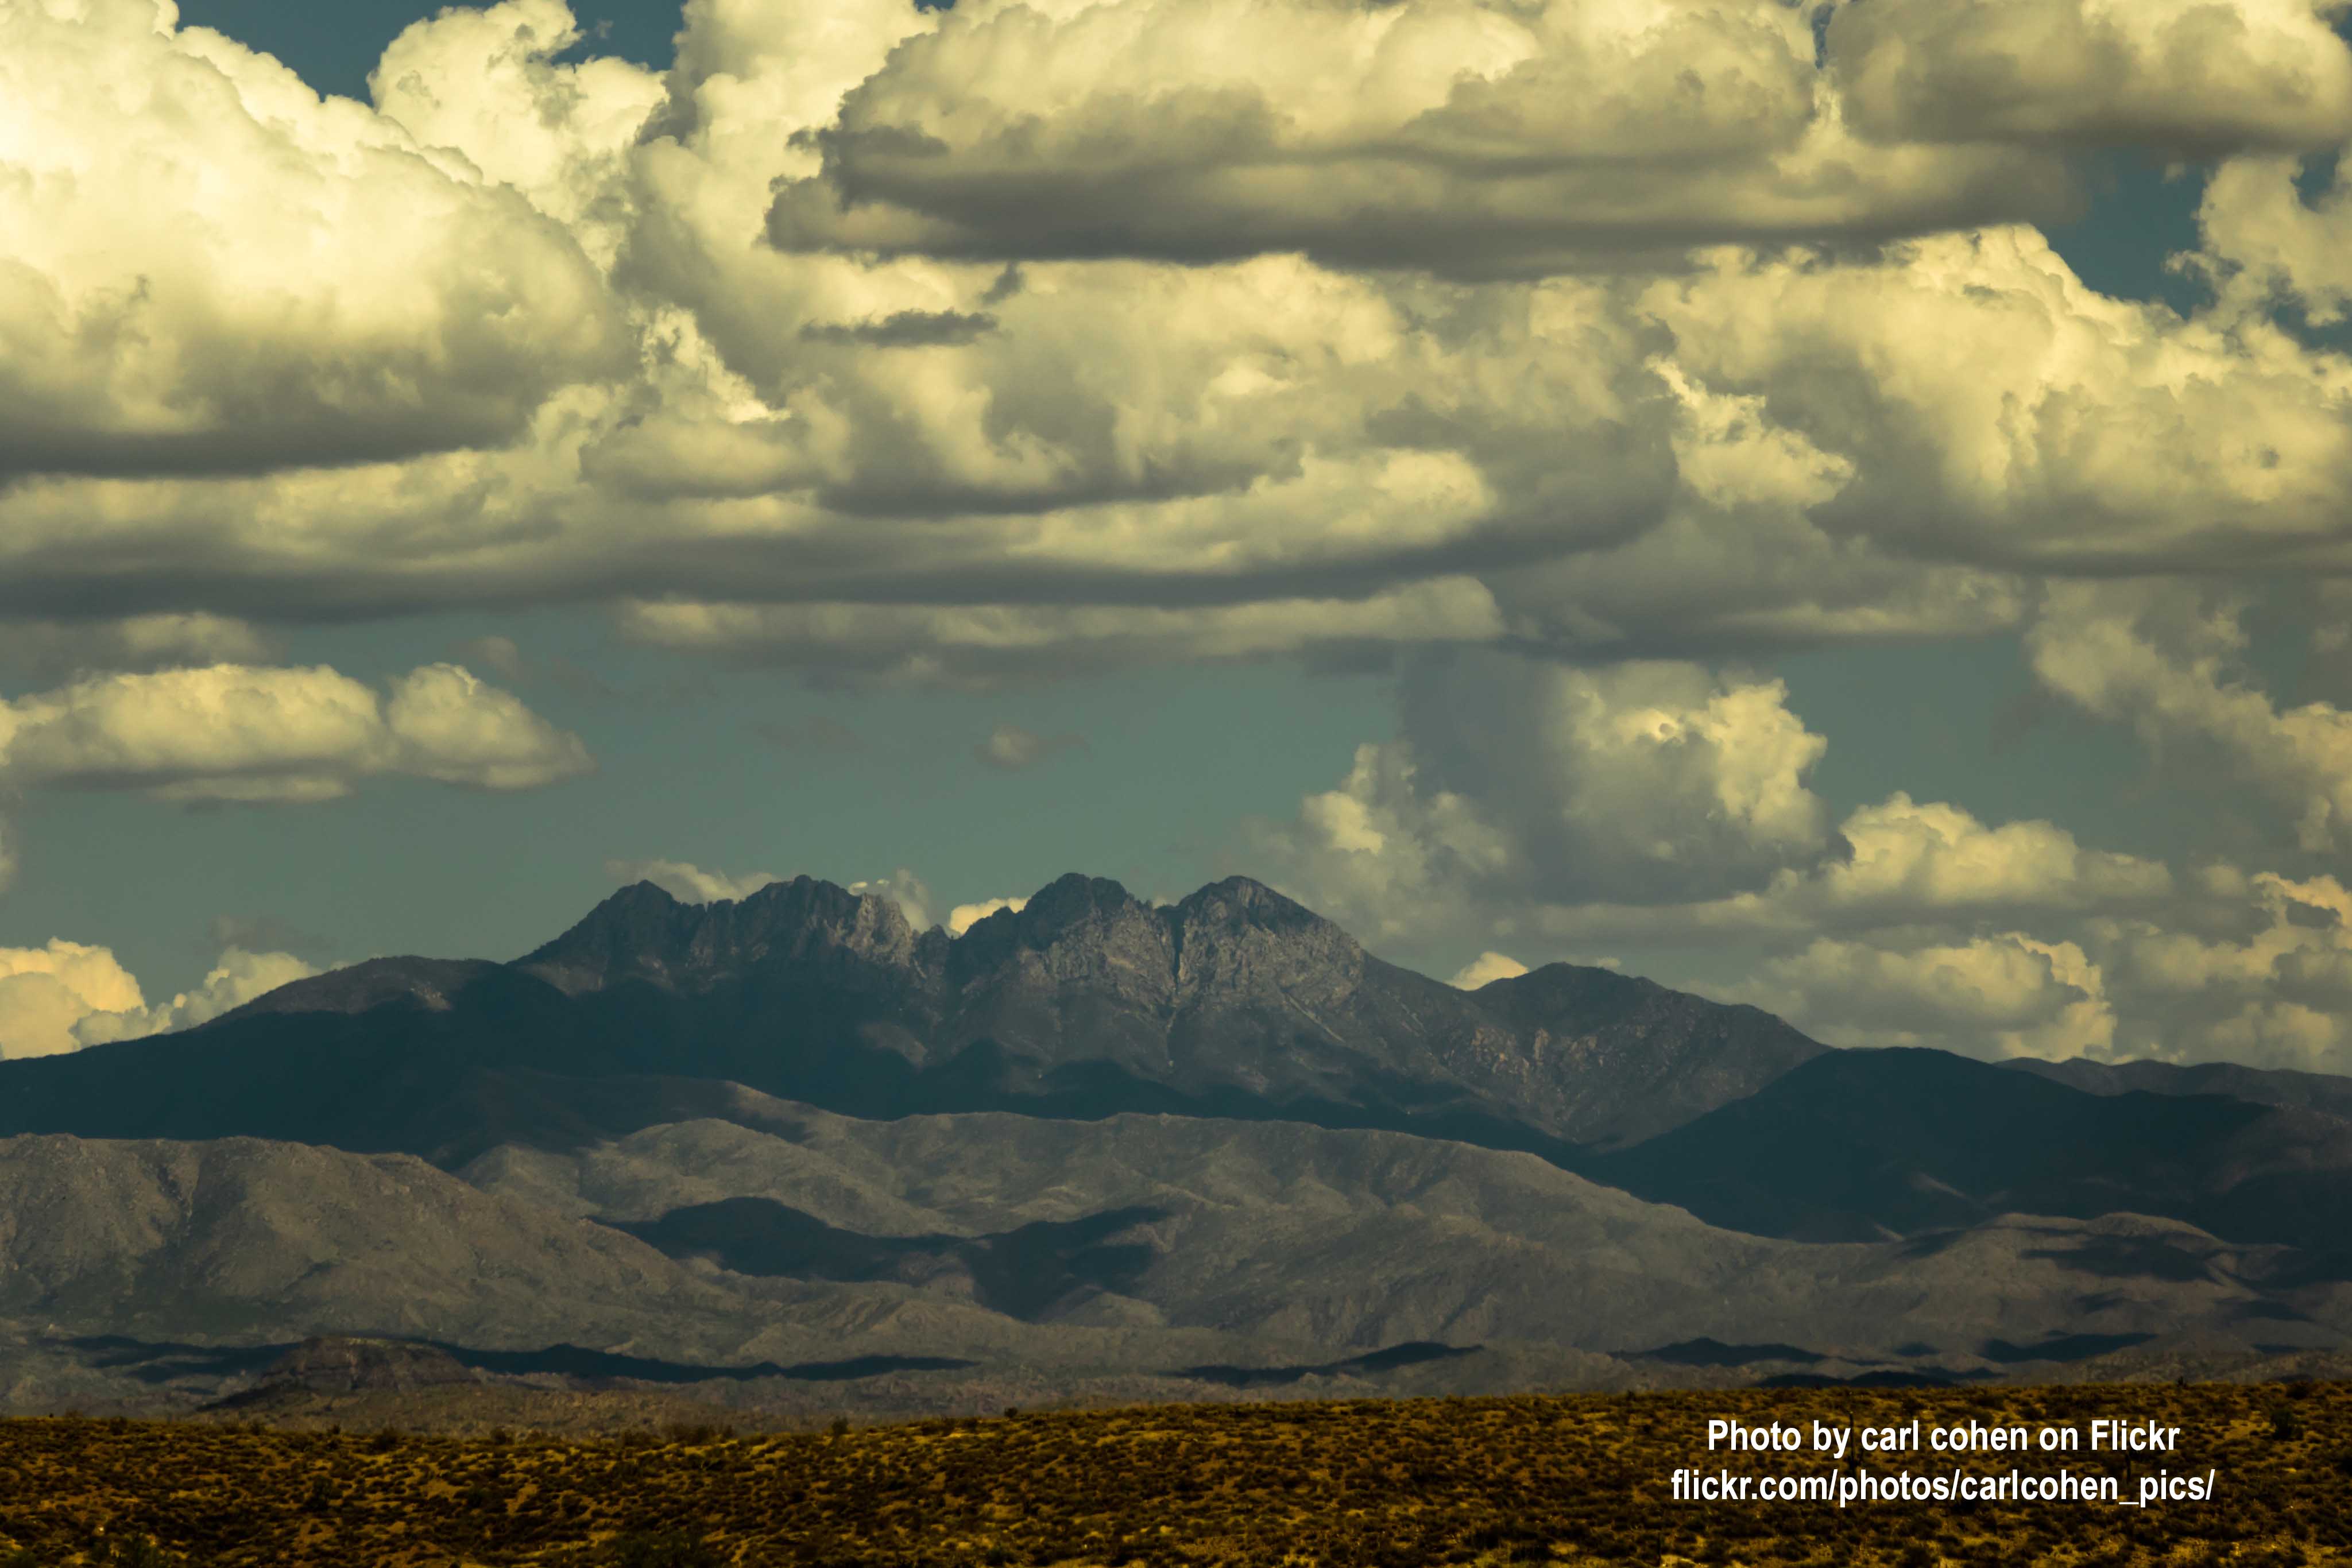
787 1150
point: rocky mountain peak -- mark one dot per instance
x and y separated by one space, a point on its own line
641 932
1239 936
1079 929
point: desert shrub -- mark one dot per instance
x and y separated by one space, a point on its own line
672 1549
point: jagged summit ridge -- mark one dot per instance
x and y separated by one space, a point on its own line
1234 1000
1075 929
642 932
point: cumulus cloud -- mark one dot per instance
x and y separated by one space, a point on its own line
2164 665
456 80
2266 245
237 732
1524 781
235 980
212 270
928 469
689 882
1484 969
2254 969
2186 76
2003 995
67 995
964 916
46 991
1462 136
1659 804
1990 409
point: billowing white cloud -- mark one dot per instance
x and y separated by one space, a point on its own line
237 732
208 268
930 469
964 916
1914 860
2182 75
1654 803
2003 995
2265 245
65 995
2253 969
455 82
46 991
1463 136
1485 969
1988 408
1521 781
689 882
235 980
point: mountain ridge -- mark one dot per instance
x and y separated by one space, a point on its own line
1232 1001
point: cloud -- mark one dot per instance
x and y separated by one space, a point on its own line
2162 663
978 645
235 980
926 469
2003 995
1657 803
1522 780
1470 138
2184 76
53 650
1485 969
456 81
46 991
258 277
964 916
2272 993
65 995
2253 969
1012 749
236 732
2265 244
1986 408
688 882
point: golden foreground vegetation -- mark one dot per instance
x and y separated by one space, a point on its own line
1571 1478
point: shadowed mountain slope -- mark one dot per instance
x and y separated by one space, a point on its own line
2326 1093
1087 1002
1863 1145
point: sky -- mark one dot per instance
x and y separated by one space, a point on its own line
1839 507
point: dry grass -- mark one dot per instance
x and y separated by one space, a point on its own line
1577 1479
